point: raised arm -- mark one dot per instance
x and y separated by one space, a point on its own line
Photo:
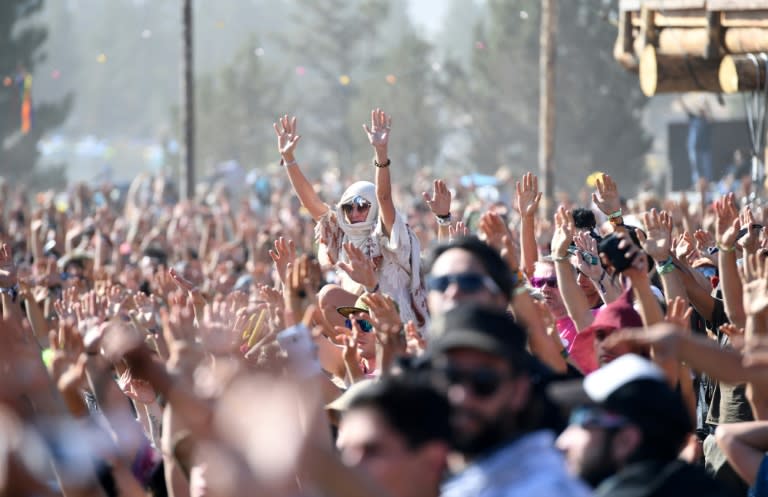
528 197
728 225
287 138
378 135
573 297
658 244
440 205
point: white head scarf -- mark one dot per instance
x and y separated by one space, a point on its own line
359 233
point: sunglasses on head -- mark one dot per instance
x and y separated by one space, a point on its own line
537 282
364 325
467 283
484 382
593 417
358 202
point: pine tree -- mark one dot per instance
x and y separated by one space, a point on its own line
21 50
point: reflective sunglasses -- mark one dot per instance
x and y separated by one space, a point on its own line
357 201
537 282
364 324
467 283
593 417
484 382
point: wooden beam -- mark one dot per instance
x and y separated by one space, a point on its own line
695 41
714 35
683 41
742 73
737 4
671 74
623 51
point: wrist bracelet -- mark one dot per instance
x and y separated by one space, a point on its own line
520 290
561 258
665 268
287 164
616 214
443 220
386 164
725 249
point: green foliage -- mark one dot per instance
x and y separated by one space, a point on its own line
21 49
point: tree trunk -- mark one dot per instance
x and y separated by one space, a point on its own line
670 74
188 102
547 57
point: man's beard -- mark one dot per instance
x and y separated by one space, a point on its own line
601 467
493 433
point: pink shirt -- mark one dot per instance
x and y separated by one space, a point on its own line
580 346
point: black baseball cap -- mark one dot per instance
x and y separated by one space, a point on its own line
481 328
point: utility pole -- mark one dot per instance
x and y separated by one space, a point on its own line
547 56
188 104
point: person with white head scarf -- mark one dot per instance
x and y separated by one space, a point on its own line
363 226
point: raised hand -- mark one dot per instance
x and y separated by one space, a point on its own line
639 266
378 133
751 240
754 278
440 200
658 226
458 230
287 137
8 276
728 224
607 196
564 231
136 389
360 267
684 246
587 246
383 313
493 229
67 367
528 195
284 253
679 313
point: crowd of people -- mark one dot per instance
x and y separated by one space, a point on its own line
348 338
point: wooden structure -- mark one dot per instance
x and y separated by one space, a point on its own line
694 45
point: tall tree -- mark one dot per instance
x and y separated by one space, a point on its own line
333 46
598 105
21 50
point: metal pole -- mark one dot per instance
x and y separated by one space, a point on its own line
188 105
547 56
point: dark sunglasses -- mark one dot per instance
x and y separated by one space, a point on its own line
358 202
484 382
364 325
593 417
537 282
467 282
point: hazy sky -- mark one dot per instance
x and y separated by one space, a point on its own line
427 14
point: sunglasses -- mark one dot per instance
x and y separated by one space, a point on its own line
364 324
484 382
537 282
467 283
359 202
592 417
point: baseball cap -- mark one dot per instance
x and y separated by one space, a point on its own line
481 328
634 388
616 315
360 306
